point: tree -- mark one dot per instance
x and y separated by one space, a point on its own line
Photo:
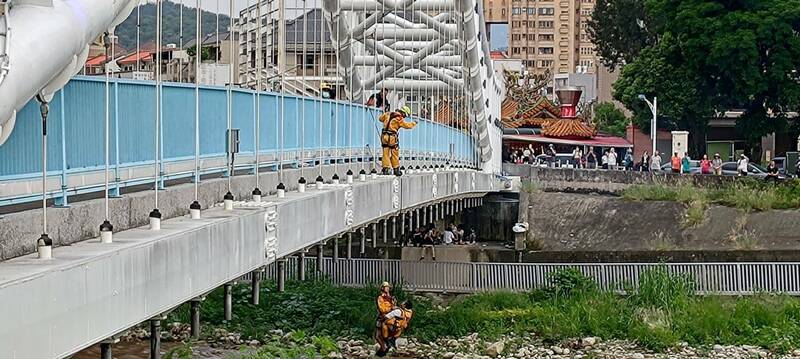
609 119
704 57
682 102
618 30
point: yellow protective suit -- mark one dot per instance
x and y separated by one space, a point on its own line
394 327
385 304
392 123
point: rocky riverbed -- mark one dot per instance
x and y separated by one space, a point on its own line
222 344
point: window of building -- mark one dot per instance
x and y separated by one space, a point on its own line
309 61
545 37
532 24
531 37
516 11
546 50
532 50
546 11
545 24
515 50
546 63
531 11
515 23
503 12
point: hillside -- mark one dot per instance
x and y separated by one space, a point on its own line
171 23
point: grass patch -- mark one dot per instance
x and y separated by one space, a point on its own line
661 312
747 194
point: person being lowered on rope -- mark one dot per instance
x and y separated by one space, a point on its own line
394 324
390 142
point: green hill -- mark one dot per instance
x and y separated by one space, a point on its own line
171 25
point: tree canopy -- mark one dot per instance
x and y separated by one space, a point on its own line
701 57
609 119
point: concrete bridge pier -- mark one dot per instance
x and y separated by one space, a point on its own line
374 228
228 300
155 338
385 227
255 286
301 265
362 240
336 250
106 348
349 253
320 258
194 314
281 275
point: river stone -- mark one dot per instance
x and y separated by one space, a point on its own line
448 355
401 343
495 349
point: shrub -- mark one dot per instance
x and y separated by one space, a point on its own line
565 283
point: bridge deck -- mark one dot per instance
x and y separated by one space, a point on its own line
91 291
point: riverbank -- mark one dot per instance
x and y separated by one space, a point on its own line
661 319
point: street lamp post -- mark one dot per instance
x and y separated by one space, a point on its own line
654 109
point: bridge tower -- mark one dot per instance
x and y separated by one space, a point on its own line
432 55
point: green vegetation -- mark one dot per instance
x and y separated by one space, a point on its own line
660 313
686 53
746 194
609 119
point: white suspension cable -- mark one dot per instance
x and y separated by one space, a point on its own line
105 227
194 207
180 41
335 108
155 215
322 78
303 65
257 94
281 69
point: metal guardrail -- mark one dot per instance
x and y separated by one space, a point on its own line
77 118
428 276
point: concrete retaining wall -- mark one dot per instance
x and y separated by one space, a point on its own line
569 221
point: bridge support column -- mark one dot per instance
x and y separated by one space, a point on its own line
194 313
301 265
106 348
281 275
349 253
155 338
362 240
320 258
374 227
394 228
255 286
228 301
335 250
385 226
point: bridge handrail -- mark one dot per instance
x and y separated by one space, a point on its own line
76 122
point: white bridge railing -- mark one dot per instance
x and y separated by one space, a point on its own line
428 276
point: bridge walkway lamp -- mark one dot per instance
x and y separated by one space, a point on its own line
654 109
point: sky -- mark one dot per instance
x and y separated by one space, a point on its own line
498 36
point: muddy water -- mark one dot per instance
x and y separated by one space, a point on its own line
141 350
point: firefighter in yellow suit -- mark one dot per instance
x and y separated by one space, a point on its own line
392 123
394 324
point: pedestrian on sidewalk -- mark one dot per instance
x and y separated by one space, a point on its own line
717 164
685 164
676 163
705 165
428 242
742 165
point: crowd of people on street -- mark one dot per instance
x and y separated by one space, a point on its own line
428 237
613 160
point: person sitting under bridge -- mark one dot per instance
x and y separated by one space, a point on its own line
390 142
394 324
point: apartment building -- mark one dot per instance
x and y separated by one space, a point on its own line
546 34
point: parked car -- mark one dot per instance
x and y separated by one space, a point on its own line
694 167
730 169
781 163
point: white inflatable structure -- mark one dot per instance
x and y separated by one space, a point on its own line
43 43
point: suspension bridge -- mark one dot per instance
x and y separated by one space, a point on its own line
154 192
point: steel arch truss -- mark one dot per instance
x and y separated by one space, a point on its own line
419 46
